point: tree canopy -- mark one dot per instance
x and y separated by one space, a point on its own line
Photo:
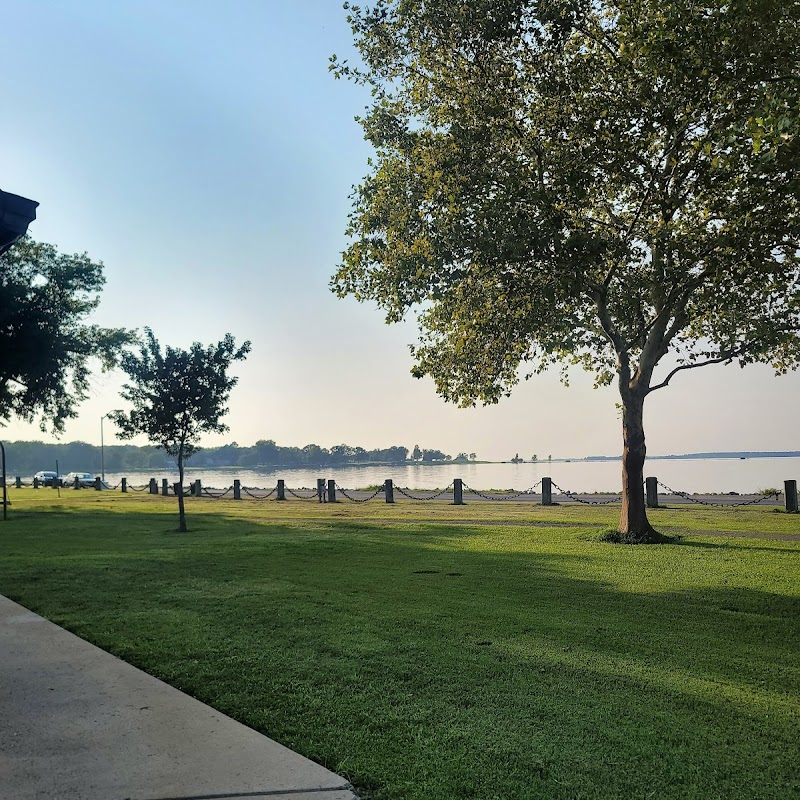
597 183
45 342
177 396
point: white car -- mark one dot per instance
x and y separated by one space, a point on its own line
85 479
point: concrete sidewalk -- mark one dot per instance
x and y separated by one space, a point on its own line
79 724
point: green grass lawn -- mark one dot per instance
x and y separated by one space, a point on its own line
435 652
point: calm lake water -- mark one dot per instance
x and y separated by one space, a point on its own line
713 475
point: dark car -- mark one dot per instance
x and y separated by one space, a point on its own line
45 478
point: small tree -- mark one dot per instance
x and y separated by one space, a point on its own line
417 454
45 345
177 396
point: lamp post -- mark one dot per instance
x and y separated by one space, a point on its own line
102 452
5 492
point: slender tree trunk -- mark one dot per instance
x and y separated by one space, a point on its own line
181 510
633 523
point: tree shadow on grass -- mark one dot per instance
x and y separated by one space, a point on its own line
726 545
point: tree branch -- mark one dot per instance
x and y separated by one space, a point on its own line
605 322
725 358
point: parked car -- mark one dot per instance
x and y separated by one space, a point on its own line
85 479
45 477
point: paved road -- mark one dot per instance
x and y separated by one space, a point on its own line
79 724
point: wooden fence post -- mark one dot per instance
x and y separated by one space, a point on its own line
321 489
458 492
197 488
76 483
388 490
164 487
35 483
651 487
98 484
237 489
547 491
790 492
281 489
18 482
124 485
331 491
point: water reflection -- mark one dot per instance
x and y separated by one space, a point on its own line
717 475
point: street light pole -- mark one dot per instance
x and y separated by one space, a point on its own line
102 452
5 493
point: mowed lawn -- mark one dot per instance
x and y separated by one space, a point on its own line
435 652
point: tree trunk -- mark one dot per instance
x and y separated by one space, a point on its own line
181 509
633 524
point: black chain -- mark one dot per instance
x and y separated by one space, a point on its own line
691 499
573 496
139 489
504 497
356 499
217 496
247 491
433 497
314 496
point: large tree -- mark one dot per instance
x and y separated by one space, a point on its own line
177 396
608 184
46 345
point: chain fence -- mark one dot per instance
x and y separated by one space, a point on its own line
573 496
424 495
293 493
248 490
687 496
410 496
211 489
523 493
344 493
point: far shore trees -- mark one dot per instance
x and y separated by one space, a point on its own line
434 455
46 346
177 396
611 184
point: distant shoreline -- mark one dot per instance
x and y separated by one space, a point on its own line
744 454
585 459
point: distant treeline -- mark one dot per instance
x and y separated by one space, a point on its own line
26 458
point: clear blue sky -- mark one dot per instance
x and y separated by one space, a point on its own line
205 154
